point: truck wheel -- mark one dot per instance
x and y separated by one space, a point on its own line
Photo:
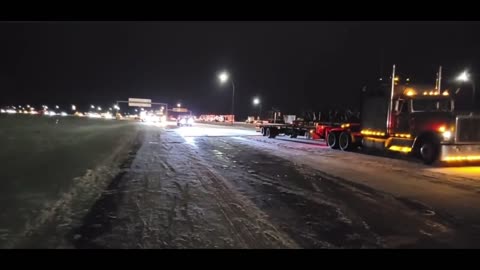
264 131
428 151
332 140
267 132
345 141
293 135
272 133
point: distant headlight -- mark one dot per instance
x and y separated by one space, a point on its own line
190 121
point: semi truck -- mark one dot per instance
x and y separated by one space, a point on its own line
399 116
416 119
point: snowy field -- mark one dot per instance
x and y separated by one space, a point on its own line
48 163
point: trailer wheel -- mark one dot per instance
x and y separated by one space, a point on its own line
325 137
293 135
267 132
332 140
272 132
264 132
428 151
345 141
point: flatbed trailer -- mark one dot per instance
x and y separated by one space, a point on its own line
311 130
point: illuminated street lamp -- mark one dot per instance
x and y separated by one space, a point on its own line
92 107
56 107
223 77
74 108
256 102
465 77
179 105
116 107
99 108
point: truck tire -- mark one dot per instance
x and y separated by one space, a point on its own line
293 135
345 141
272 132
332 140
263 131
428 151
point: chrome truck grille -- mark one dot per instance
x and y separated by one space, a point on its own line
468 129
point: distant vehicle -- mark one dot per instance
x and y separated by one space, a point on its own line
185 121
151 117
250 120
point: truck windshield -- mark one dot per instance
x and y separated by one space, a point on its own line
428 105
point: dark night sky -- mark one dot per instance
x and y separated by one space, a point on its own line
291 65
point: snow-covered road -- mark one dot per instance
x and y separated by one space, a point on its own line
220 187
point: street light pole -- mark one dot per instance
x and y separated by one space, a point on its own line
224 77
473 93
256 101
260 113
465 77
233 101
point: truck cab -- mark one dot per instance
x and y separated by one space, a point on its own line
413 118
425 124
421 123
416 115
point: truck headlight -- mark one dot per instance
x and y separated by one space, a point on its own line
447 135
445 132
